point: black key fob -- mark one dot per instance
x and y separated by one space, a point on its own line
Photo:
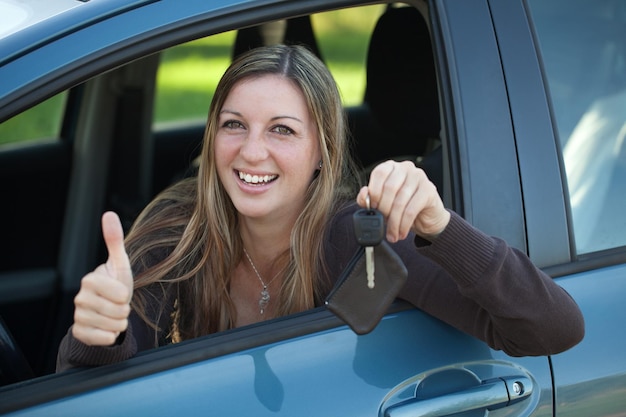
369 227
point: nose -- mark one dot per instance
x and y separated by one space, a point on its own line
254 147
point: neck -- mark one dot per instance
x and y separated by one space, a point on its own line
265 242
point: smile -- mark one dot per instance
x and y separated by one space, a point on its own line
256 179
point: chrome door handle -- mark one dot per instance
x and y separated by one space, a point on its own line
489 395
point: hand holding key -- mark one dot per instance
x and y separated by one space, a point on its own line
407 199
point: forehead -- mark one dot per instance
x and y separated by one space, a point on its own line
270 90
254 83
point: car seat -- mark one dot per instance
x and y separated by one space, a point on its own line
399 118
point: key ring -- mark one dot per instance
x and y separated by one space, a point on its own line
367 201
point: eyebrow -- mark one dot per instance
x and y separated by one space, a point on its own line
236 113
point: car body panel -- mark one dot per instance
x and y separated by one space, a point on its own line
481 121
503 173
585 378
320 373
536 145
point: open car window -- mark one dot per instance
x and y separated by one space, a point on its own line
137 127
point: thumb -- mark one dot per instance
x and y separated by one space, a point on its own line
361 198
118 264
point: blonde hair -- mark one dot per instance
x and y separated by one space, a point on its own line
188 241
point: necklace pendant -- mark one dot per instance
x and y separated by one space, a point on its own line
264 300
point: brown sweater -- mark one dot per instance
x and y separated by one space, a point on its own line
472 281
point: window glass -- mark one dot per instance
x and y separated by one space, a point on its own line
43 121
583 47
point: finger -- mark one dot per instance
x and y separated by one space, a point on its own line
88 300
114 239
117 263
91 319
99 284
405 206
415 208
392 183
378 179
361 198
93 336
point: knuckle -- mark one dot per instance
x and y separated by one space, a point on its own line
106 338
120 311
408 164
78 315
81 300
122 325
126 310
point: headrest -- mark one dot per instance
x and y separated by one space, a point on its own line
401 80
298 30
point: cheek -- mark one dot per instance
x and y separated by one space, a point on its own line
224 151
223 156
302 162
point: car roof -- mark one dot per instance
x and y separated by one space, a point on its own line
28 24
18 15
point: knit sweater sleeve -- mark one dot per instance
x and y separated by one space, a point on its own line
483 287
73 353
139 336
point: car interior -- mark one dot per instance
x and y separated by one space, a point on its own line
110 157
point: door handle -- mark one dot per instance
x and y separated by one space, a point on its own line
488 395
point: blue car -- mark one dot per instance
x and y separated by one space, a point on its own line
516 109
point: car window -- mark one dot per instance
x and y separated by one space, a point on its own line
583 48
72 176
42 121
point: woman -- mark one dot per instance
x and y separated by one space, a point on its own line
265 229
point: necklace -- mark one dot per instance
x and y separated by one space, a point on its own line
265 294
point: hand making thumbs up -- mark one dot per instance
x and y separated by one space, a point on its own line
103 301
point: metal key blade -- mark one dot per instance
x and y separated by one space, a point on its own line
369 266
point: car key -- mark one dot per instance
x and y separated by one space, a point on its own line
369 228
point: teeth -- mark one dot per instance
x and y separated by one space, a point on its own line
256 179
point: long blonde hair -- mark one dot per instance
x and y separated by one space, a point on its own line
189 236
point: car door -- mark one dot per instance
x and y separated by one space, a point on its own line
312 363
569 132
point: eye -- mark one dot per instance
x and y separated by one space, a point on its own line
283 130
232 124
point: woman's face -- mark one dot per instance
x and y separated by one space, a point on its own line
266 148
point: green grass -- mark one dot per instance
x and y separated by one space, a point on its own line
40 122
189 73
